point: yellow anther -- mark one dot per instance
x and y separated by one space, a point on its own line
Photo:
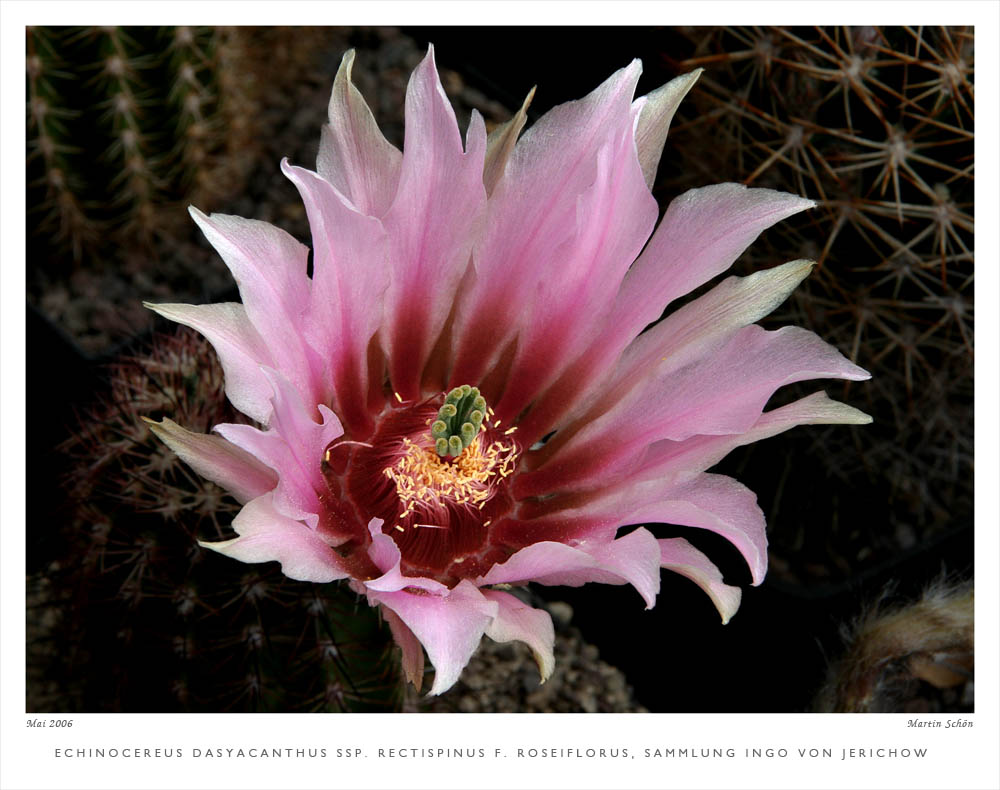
398 396
427 482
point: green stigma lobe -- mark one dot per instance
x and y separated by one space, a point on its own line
458 421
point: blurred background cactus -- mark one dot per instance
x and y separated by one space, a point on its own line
916 656
143 619
126 128
876 125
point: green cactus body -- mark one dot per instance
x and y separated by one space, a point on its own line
123 122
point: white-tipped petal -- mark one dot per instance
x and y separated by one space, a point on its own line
654 121
240 347
354 156
516 620
215 459
500 144
681 557
267 535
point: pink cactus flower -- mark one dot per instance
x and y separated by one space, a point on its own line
462 398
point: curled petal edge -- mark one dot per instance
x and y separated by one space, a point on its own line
681 557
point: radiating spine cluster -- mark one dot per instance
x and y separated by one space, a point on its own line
877 125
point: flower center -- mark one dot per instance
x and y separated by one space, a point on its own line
438 506
428 484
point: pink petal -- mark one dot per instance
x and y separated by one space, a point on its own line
217 460
385 554
449 626
350 276
559 528
413 651
383 550
681 557
614 217
240 348
722 393
516 620
353 155
500 145
686 458
293 447
657 112
714 502
269 267
702 233
664 464
538 561
432 224
267 535
700 327
693 331
533 217
632 559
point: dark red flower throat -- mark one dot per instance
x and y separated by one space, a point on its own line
441 510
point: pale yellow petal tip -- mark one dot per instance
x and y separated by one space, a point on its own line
414 677
347 65
691 76
197 214
218 545
855 416
162 310
725 612
727 605
546 666
803 267
161 429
